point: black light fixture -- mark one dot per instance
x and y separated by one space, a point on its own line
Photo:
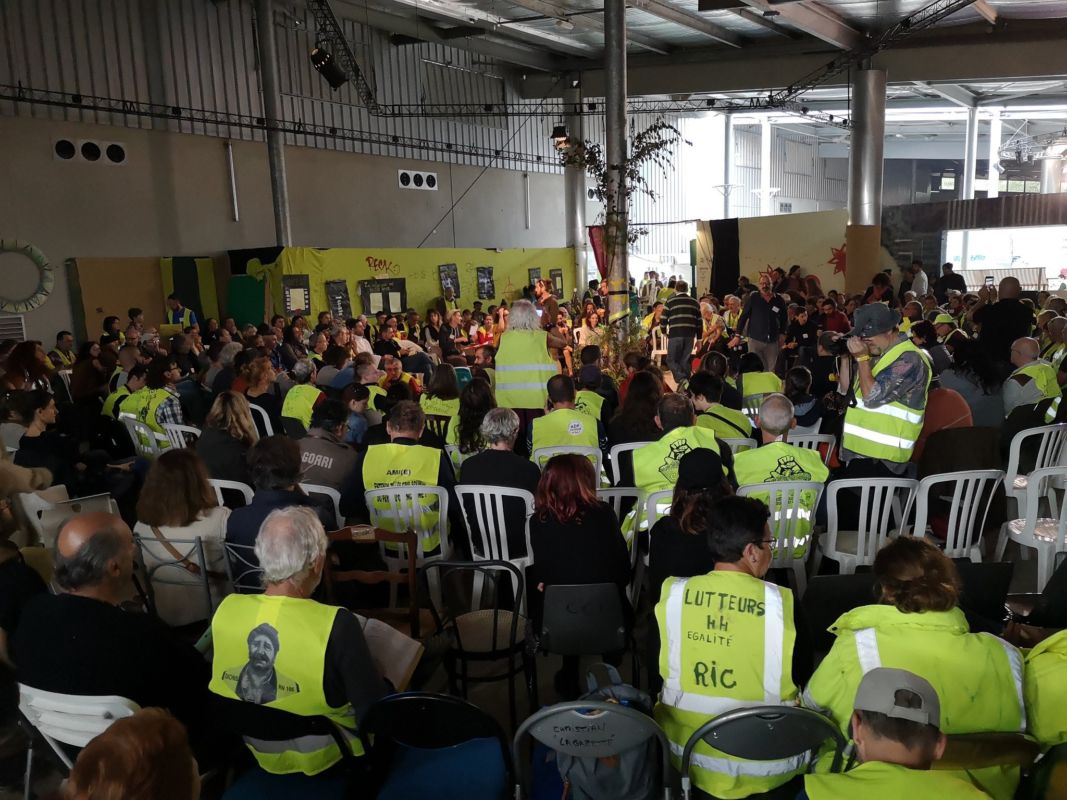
559 136
328 68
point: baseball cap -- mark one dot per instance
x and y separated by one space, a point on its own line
874 318
878 691
944 319
699 469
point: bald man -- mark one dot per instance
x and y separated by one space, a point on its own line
1033 380
82 642
775 459
1002 318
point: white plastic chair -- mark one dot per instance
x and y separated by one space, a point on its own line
263 420
482 508
659 345
33 504
457 457
785 501
657 505
750 406
333 494
69 719
1046 535
541 455
219 485
402 509
146 442
968 510
178 433
49 509
740 445
617 498
812 441
1050 446
882 501
615 456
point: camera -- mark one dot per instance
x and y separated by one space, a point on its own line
833 344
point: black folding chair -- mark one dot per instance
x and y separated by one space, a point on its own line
764 733
432 722
830 596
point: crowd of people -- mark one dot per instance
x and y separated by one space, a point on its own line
468 397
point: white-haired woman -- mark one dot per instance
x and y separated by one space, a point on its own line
274 646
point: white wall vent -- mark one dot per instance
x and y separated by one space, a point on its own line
411 179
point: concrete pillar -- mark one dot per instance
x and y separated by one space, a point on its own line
863 245
994 154
766 136
616 211
1051 175
970 155
268 78
727 163
574 188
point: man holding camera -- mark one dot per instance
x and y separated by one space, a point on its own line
892 378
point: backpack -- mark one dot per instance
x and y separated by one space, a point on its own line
632 774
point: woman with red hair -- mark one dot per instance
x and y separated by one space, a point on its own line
576 539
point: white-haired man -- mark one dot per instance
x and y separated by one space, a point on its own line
286 651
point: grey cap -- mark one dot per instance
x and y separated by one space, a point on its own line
878 690
874 318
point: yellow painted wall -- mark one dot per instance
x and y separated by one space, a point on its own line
783 240
419 268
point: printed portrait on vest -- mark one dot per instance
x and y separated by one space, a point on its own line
257 681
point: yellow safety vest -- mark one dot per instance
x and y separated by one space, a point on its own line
656 464
755 383
1044 375
589 402
386 465
889 431
376 391
293 634
185 320
523 368
113 403
66 360
1053 409
664 294
1045 690
438 407
878 780
727 423
564 427
144 404
777 462
726 643
300 403
938 646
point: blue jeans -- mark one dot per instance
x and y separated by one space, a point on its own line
679 356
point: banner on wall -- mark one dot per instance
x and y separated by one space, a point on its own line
535 275
296 294
486 289
389 295
596 241
557 280
337 299
449 278
193 280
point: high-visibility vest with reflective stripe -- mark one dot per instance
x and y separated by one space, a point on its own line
726 642
271 650
66 360
589 402
727 423
1053 409
1044 376
656 464
753 383
1055 356
565 427
439 407
300 403
144 404
376 391
978 677
185 319
523 367
113 403
386 465
1045 688
878 780
888 432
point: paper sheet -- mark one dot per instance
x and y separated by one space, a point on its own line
394 302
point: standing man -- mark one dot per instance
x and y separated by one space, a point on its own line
682 313
763 321
949 280
546 303
1001 321
920 281
891 386
178 314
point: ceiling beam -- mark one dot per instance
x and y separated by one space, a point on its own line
588 23
664 9
989 14
814 19
767 23
951 92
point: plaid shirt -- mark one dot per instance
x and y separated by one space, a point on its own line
170 410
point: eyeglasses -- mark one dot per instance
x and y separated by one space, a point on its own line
766 542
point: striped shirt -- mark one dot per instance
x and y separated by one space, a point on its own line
682 315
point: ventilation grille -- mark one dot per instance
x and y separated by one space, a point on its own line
89 151
13 326
411 179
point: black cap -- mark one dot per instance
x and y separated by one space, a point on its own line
699 469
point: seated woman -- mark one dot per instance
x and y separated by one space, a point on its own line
89 375
918 626
177 502
576 540
441 398
229 432
924 335
475 402
263 392
755 378
806 409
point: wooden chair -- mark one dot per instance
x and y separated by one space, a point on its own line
334 575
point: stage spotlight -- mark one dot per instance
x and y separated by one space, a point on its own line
328 68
